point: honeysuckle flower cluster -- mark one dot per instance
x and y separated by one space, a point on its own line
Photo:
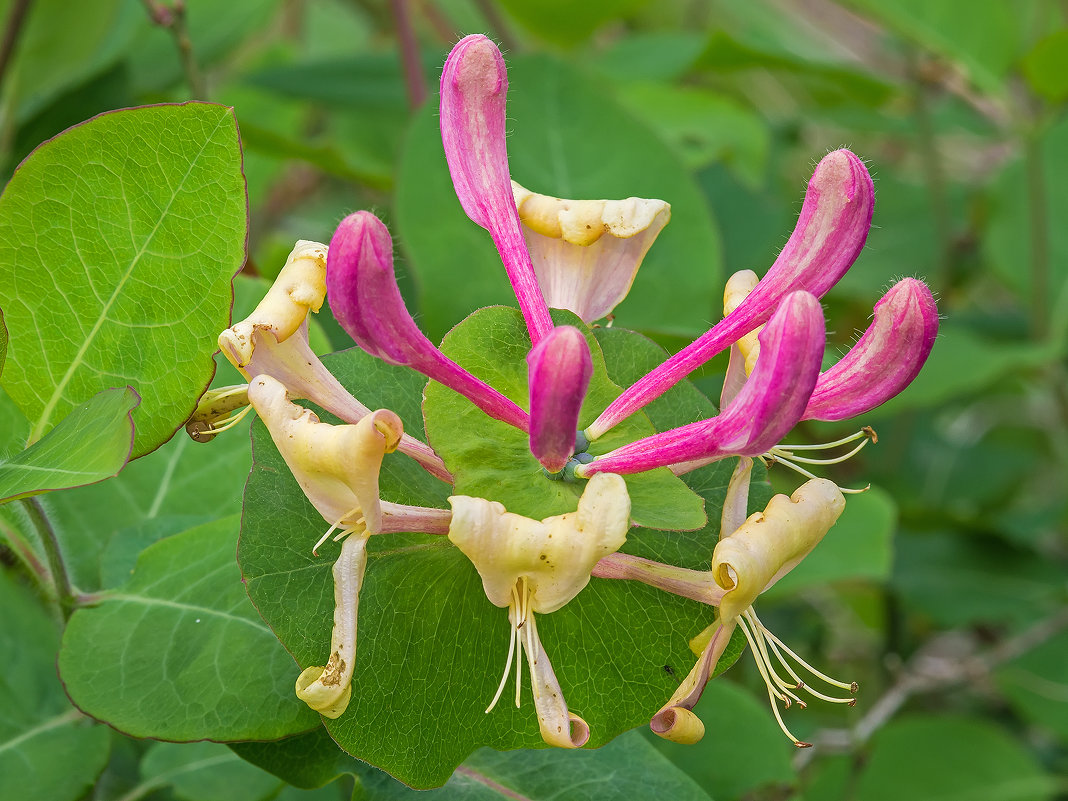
579 255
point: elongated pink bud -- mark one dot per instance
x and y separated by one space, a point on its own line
559 369
364 296
761 414
829 235
474 89
885 359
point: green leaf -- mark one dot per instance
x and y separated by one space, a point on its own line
1046 66
48 751
742 750
88 445
567 22
492 460
950 757
703 127
623 770
118 240
568 139
179 653
1036 684
431 646
204 772
308 760
51 59
858 546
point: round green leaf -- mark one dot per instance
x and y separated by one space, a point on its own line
179 653
569 139
431 646
48 751
949 758
118 241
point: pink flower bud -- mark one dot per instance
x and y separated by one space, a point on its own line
829 235
474 88
761 414
559 369
885 359
364 296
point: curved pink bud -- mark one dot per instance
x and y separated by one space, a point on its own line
364 297
474 89
761 414
885 359
829 235
559 369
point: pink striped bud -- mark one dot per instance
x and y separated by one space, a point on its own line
559 369
474 89
761 414
829 235
885 359
362 288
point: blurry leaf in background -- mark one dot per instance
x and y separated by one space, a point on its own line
1036 684
648 56
950 757
742 750
1046 66
204 772
52 58
88 445
216 28
48 750
965 579
177 652
307 760
566 22
106 234
568 140
1008 245
704 127
859 546
984 38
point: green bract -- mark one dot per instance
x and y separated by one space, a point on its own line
430 642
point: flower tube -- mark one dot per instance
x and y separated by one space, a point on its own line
367 303
559 370
829 235
760 415
474 89
885 359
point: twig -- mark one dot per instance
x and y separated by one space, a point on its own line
15 18
932 168
172 18
64 593
497 24
1039 231
930 670
409 49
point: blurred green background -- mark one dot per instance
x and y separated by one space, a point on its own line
943 591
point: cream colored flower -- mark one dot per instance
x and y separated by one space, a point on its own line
587 252
533 566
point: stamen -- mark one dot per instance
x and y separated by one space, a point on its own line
333 528
787 451
513 635
782 725
772 688
780 682
852 686
771 457
867 432
229 422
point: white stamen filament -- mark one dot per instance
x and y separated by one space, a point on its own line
770 457
786 454
822 446
521 622
783 450
344 532
763 644
229 422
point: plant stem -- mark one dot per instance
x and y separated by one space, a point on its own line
60 579
409 48
15 18
172 18
1039 230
